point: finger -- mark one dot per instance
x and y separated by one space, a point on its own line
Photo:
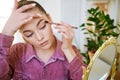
84 69
68 25
28 15
63 28
65 35
71 33
37 16
65 24
62 31
26 7
26 20
15 5
66 30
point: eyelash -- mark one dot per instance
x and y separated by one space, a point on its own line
43 27
30 35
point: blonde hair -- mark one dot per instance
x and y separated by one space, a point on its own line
26 2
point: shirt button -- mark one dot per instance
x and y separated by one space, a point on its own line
54 58
43 73
1 49
44 67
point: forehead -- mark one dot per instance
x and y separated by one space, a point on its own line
35 20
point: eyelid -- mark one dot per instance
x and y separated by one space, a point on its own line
29 35
39 21
43 27
27 32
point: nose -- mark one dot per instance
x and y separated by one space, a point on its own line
39 36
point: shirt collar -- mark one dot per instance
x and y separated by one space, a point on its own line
30 53
58 54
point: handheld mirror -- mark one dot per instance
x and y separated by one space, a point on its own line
101 63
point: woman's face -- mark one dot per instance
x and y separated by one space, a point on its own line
38 33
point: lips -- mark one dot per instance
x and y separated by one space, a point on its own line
44 43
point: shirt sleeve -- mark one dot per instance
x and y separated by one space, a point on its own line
75 67
5 44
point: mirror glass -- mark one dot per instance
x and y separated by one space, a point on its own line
101 63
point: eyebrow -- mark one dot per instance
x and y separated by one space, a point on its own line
39 21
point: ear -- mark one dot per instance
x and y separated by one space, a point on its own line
49 17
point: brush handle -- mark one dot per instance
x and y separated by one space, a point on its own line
61 24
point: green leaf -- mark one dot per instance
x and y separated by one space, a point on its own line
83 29
86 33
89 24
82 25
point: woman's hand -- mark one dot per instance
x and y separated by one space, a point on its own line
67 36
17 18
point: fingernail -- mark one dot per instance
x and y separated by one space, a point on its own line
33 4
28 19
39 15
31 17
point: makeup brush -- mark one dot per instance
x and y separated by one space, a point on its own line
59 24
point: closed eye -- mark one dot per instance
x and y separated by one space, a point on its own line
28 33
43 26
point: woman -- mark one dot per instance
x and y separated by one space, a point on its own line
43 56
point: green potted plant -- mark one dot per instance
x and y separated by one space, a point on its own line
99 27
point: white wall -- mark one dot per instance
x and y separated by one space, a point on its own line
5 11
73 12
53 8
118 12
113 8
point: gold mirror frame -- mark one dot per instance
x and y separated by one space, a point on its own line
111 73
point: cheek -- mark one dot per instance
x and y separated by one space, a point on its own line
49 32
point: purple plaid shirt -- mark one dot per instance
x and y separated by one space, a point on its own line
20 62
